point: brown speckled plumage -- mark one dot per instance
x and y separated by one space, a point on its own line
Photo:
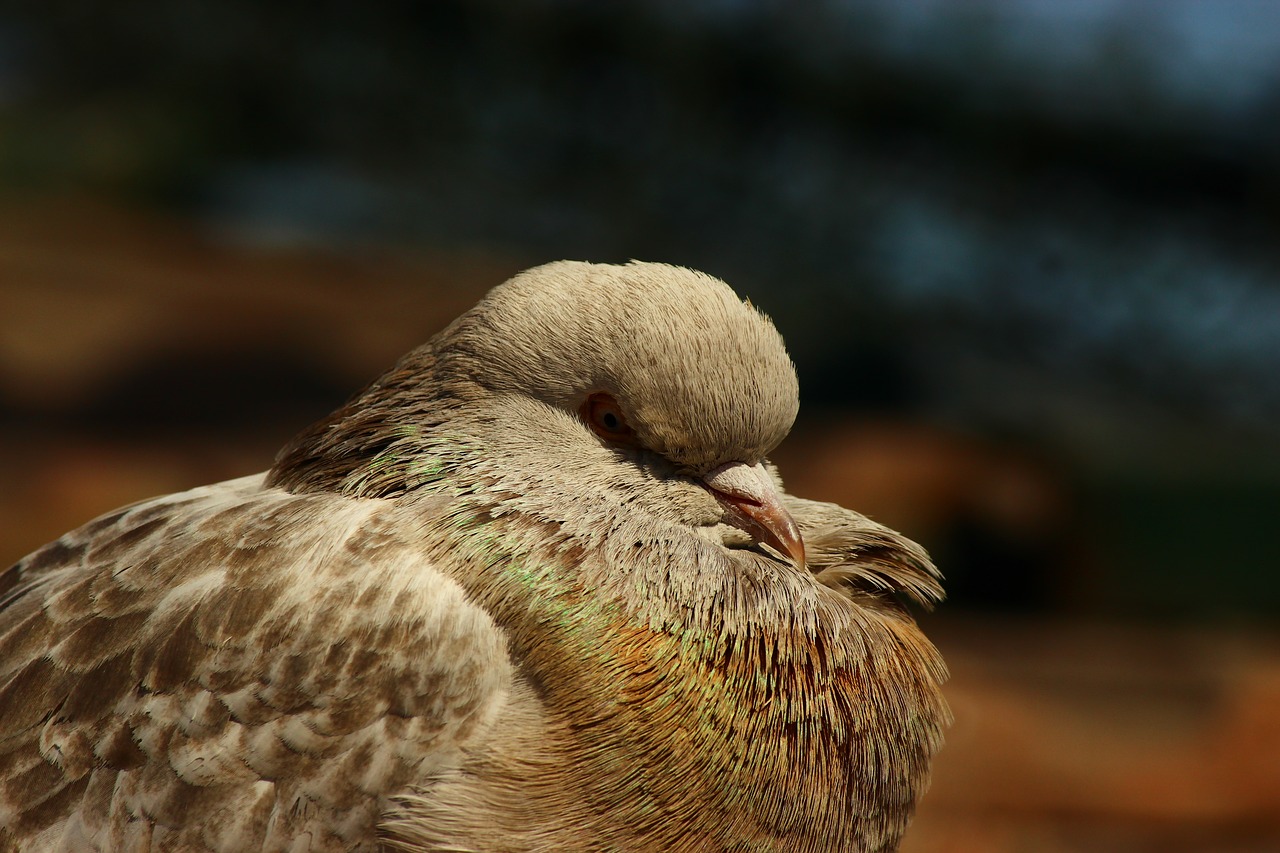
455 616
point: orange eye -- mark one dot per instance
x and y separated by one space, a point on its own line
603 414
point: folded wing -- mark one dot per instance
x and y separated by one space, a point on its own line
233 668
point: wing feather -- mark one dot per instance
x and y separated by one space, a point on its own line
232 668
852 553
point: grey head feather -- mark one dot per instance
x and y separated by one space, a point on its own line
703 376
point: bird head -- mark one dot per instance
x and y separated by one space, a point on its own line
656 363
643 384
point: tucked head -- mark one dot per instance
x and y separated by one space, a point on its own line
701 377
587 374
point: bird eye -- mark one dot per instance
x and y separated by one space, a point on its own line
603 414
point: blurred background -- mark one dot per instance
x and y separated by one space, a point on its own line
1023 251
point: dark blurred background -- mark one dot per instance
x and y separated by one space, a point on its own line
1023 251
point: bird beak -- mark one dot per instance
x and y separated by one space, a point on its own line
753 504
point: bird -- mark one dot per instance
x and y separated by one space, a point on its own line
538 587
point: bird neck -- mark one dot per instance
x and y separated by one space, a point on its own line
741 685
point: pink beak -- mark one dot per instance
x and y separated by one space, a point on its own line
753 504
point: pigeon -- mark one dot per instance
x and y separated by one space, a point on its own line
536 588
